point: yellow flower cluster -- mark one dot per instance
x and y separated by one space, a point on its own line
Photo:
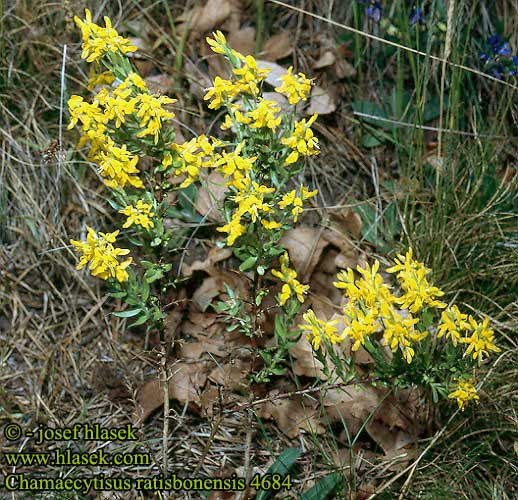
481 340
98 250
192 155
291 199
103 78
464 393
140 215
418 291
98 41
250 201
302 141
151 113
262 113
370 309
250 75
233 166
317 329
291 287
128 101
295 87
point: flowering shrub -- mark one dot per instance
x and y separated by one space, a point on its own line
264 150
403 333
124 122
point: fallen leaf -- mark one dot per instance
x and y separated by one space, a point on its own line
279 99
211 196
304 361
243 40
397 445
278 46
352 405
326 59
159 84
347 220
232 375
320 102
293 415
274 77
344 69
195 350
205 18
184 386
209 289
304 246
199 81
215 255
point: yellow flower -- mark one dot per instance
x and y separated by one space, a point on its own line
98 41
98 250
346 282
399 332
318 329
295 87
292 286
452 322
301 141
418 291
234 229
193 154
234 165
270 224
106 77
250 199
292 199
90 116
219 43
481 340
264 115
372 291
358 325
151 113
221 93
118 166
117 108
464 393
138 215
250 76
125 88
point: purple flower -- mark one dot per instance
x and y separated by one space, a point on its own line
374 11
498 71
503 50
515 60
494 40
416 16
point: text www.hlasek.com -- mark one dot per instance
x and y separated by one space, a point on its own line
68 457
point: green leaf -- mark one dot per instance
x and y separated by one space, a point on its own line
134 241
153 274
322 489
117 295
282 465
114 205
374 111
140 321
127 314
248 263
370 141
145 291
